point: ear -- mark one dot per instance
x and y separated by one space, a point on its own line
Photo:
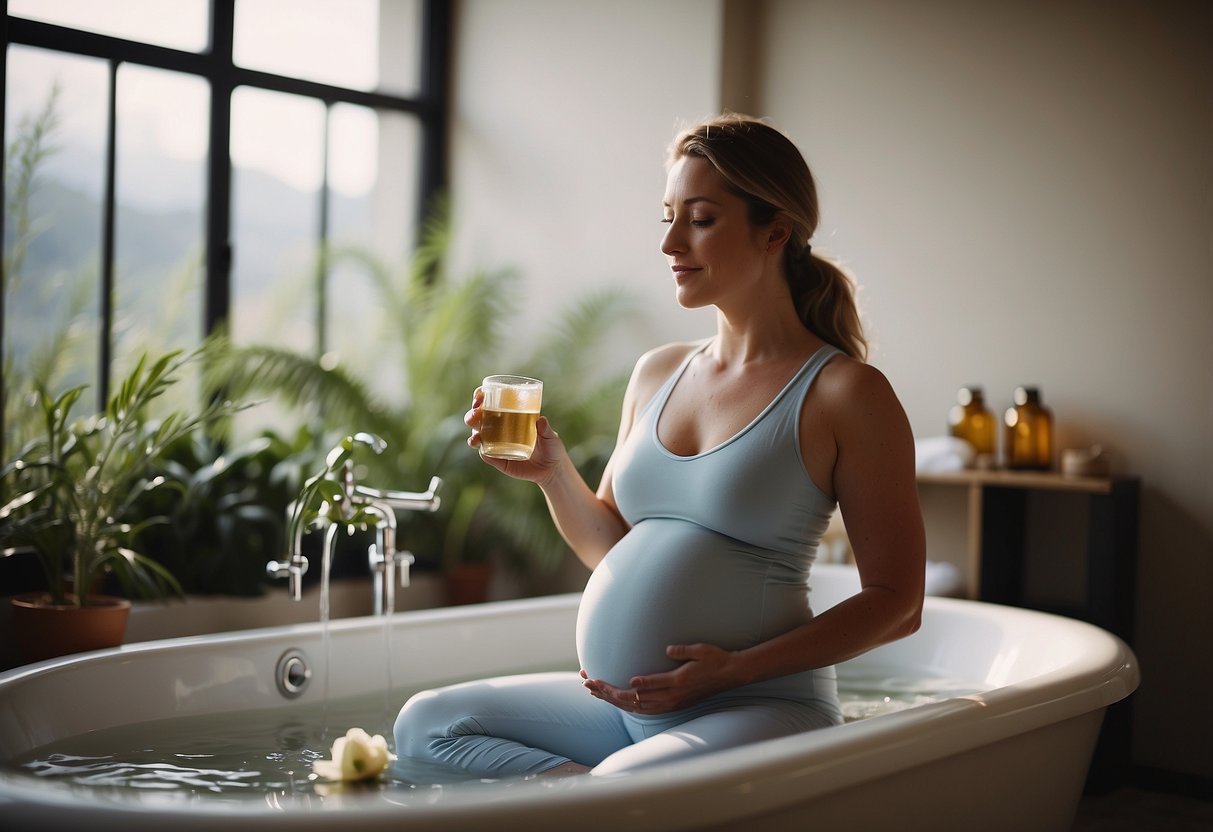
778 234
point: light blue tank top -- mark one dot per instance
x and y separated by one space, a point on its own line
753 487
719 547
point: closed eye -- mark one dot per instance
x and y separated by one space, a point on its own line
697 223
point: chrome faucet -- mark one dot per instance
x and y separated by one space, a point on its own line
358 506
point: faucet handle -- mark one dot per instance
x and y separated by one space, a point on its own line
292 570
404 560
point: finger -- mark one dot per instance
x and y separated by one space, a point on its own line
657 681
619 697
684 652
609 689
544 428
598 693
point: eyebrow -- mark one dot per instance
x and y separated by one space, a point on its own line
692 200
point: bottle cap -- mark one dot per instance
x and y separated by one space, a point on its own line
1024 394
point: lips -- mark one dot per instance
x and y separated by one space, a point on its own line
682 271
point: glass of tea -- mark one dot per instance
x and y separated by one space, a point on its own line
507 417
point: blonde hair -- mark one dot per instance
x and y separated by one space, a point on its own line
762 166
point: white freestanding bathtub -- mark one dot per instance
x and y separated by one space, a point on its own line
1012 755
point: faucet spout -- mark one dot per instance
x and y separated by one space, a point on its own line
384 559
358 506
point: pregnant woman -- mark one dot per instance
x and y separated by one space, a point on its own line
695 631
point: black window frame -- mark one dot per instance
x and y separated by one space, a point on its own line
430 106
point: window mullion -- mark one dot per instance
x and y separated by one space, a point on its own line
216 307
3 273
322 240
435 75
106 333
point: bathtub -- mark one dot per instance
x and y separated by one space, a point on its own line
1011 754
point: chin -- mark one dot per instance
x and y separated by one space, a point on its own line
689 300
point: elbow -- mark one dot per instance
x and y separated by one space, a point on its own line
910 621
913 620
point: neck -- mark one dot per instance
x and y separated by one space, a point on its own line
761 338
763 328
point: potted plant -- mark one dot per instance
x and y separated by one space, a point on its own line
68 496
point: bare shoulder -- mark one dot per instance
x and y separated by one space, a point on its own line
861 408
850 387
666 358
865 416
654 367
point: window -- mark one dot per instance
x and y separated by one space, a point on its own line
171 168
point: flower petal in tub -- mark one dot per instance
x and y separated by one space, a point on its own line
356 756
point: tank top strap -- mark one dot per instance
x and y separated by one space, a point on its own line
781 417
798 387
659 398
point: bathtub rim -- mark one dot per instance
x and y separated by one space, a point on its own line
778 772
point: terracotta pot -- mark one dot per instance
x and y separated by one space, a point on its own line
44 630
468 583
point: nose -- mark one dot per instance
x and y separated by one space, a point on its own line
672 242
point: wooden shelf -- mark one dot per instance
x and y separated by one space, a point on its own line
995 541
1035 480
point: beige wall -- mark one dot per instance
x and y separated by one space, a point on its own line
1023 190
563 111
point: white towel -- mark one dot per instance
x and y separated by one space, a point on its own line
937 454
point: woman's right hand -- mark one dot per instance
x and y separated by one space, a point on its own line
545 459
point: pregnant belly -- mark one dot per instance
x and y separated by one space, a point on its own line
675 582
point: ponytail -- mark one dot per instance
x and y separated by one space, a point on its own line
824 296
765 168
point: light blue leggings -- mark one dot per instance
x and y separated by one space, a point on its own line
519 725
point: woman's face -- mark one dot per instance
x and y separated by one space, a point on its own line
715 253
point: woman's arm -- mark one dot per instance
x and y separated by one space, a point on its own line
874 481
589 522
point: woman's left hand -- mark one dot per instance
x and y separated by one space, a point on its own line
705 670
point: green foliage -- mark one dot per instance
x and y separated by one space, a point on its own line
31 146
225 510
322 497
448 335
70 493
33 143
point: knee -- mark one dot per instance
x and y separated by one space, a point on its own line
435 715
423 718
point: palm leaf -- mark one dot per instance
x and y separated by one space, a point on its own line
300 381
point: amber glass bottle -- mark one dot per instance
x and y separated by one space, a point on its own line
1028 434
970 420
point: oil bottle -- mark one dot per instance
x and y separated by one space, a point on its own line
1028 432
970 420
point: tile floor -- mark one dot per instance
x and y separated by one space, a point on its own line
1136 810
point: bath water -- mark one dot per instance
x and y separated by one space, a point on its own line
267 754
